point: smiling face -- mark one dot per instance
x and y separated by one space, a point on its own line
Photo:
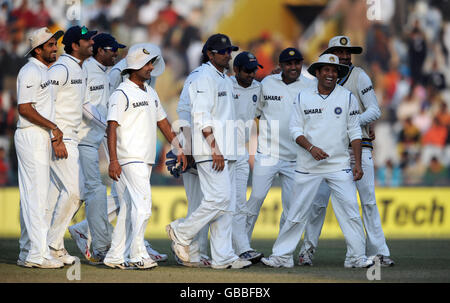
244 76
291 70
47 54
85 48
220 59
326 77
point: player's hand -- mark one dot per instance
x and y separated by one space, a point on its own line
357 172
181 158
57 135
218 160
371 132
318 153
59 148
114 170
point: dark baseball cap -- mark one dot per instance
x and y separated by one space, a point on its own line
103 40
289 54
219 42
76 33
246 60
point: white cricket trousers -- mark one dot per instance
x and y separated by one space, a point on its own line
216 208
241 241
199 244
345 206
65 194
95 197
134 192
264 172
33 154
375 241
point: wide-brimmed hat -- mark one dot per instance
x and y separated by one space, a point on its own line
137 58
342 42
159 65
41 36
329 59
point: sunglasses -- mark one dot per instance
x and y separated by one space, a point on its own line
222 51
113 49
84 30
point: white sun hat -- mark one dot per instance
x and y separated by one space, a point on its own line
342 42
40 36
159 64
329 59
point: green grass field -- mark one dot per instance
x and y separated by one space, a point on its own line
417 261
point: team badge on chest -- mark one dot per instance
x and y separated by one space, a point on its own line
338 110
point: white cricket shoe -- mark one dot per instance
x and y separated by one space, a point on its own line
123 265
62 255
81 240
252 256
305 258
361 262
23 263
144 264
46 263
236 264
154 254
181 251
276 262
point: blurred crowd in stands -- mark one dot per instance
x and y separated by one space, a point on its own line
406 54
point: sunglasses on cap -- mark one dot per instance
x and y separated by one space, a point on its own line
84 30
222 51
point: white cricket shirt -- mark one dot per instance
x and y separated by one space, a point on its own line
97 94
359 83
137 112
275 110
68 83
184 104
329 122
33 86
211 95
246 100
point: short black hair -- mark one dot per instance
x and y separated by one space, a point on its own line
68 48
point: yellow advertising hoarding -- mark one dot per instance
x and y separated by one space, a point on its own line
405 213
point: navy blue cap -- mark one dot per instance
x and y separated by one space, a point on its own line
76 33
289 54
106 40
219 42
246 60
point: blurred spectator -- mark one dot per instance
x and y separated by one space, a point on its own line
4 168
443 115
422 120
436 174
409 137
417 50
436 134
435 78
377 50
390 175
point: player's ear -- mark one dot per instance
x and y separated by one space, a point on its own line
236 70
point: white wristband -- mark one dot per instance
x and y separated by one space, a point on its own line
309 150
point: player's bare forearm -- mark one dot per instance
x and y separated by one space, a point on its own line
29 112
315 151
218 159
357 169
114 170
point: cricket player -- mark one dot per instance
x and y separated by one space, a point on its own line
358 82
323 123
35 130
80 231
91 135
213 132
198 248
246 96
66 189
134 113
276 152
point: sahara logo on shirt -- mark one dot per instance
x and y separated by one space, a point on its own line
45 84
139 104
272 98
354 112
96 87
313 111
76 81
367 89
222 94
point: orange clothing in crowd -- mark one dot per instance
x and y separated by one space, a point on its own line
436 135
